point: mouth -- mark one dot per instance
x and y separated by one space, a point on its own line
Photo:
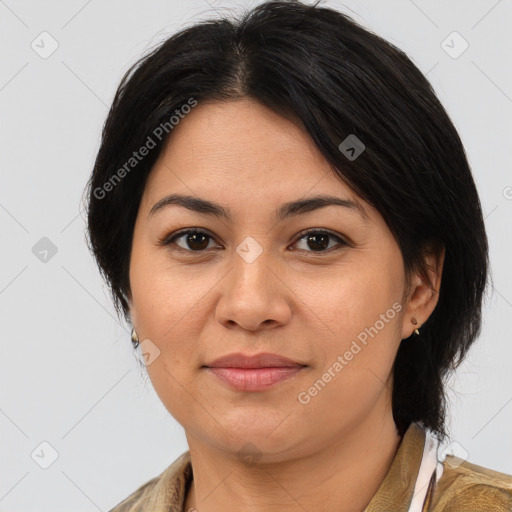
253 372
254 379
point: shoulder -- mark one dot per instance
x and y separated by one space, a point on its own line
464 486
137 497
167 488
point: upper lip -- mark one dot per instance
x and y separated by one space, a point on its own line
263 360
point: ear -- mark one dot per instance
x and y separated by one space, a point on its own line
422 299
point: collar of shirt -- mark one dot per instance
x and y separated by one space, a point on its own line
409 482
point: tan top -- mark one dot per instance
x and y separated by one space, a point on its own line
462 487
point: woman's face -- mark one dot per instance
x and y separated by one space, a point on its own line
256 283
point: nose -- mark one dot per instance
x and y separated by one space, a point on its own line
253 295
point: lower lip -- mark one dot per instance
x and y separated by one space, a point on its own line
255 379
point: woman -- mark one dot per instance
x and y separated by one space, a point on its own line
284 212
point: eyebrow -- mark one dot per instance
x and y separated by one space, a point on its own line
286 210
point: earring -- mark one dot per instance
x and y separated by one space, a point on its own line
415 322
135 338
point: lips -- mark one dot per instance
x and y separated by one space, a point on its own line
258 372
263 360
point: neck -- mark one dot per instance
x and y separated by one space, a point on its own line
343 476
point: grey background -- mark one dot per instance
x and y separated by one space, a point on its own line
68 375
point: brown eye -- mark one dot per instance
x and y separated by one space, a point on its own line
318 240
191 240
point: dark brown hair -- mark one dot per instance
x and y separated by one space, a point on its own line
317 66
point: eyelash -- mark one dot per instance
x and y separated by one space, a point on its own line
168 240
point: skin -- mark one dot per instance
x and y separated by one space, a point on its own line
333 452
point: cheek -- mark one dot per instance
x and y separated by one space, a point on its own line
346 300
356 315
165 313
165 295
355 354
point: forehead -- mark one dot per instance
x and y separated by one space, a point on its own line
241 151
